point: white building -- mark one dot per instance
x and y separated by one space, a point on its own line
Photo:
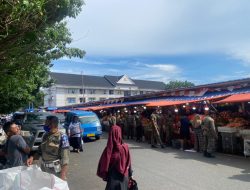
74 89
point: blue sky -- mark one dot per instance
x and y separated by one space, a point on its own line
163 40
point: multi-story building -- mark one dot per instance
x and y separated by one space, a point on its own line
75 89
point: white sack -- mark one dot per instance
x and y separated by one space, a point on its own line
30 178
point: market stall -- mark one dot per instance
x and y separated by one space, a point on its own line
234 124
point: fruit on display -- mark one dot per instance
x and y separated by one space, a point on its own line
238 122
226 115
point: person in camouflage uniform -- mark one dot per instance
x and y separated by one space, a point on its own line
146 125
54 150
155 135
199 139
210 135
169 128
130 124
139 128
161 122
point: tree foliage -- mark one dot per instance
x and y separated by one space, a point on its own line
32 33
178 84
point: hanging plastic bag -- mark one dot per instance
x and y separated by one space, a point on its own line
30 178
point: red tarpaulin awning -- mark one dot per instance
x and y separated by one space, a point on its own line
171 103
236 98
102 107
61 111
165 103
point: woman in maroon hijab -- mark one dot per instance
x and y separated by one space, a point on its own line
115 163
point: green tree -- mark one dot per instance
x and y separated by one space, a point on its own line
178 84
32 33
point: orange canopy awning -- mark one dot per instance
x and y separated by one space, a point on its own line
61 111
93 108
175 102
236 98
165 103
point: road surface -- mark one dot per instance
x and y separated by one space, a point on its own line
163 169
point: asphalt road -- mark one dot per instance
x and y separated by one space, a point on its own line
163 169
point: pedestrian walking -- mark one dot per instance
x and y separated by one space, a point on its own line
115 163
75 134
54 150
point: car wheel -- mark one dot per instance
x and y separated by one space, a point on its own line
97 137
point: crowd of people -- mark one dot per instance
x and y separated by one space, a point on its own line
157 127
182 130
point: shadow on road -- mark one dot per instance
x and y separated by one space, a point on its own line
234 161
241 177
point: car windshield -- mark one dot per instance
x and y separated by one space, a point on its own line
88 119
38 117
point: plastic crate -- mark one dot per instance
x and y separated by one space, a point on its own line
229 142
228 129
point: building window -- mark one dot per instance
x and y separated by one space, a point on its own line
82 100
119 92
101 99
104 91
141 92
127 93
91 91
91 99
134 93
111 91
71 100
82 91
72 91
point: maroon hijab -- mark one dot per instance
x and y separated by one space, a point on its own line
115 155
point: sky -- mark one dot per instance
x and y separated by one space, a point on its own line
198 41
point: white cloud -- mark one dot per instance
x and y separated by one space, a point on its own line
163 27
155 72
136 69
231 76
164 67
243 54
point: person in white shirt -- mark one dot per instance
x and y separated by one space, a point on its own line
75 134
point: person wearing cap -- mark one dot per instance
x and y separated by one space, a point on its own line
54 149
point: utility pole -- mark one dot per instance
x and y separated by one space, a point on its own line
82 88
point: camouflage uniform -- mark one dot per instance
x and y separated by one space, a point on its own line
147 129
54 149
155 135
130 124
162 127
139 128
210 135
169 129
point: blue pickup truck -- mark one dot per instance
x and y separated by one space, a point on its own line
90 123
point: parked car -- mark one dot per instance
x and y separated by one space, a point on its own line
32 128
90 123
18 118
